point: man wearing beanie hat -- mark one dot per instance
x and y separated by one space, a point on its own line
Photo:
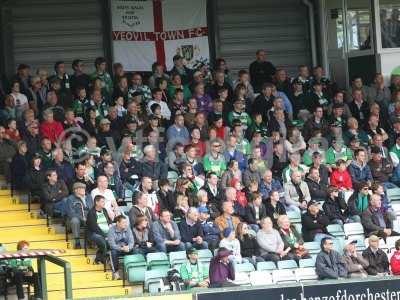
193 272
77 207
231 243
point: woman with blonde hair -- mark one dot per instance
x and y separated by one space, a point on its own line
292 238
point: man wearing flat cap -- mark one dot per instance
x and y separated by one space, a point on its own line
77 207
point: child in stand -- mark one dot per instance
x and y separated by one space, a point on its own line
119 104
241 200
12 132
341 179
231 243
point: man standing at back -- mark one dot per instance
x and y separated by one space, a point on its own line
261 71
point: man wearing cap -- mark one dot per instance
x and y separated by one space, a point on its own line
77 206
314 223
378 263
210 229
338 151
329 263
193 272
356 264
381 168
105 136
359 169
222 272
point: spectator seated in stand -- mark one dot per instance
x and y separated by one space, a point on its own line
329 264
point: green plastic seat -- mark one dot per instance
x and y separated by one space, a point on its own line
177 258
266 266
287 264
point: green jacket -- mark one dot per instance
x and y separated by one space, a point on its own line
218 166
21 264
186 92
332 156
198 272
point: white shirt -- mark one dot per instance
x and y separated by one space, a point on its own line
108 196
165 112
20 100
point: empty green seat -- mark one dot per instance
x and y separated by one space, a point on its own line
287 264
135 266
266 266
158 260
177 258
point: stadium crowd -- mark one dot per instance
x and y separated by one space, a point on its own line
192 159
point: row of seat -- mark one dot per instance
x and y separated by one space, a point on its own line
257 278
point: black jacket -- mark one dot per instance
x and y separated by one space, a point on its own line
166 200
313 225
378 262
370 221
335 209
318 191
19 167
260 73
251 213
249 246
361 114
154 170
261 105
273 212
91 222
129 168
189 232
35 180
216 199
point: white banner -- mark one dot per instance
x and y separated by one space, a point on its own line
144 32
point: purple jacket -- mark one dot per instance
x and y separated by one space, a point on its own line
204 103
219 272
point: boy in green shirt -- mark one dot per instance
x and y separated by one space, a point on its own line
193 272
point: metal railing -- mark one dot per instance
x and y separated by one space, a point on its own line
42 256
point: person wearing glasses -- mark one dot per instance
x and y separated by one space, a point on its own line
329 263
358 202
214 161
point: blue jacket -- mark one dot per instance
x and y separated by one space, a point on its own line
174 136
211 231
74 206
118 238
239 157
161 235
359 173
266 190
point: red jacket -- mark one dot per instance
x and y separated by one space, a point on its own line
51 130
341 179
395 263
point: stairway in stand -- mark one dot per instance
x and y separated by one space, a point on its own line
88 280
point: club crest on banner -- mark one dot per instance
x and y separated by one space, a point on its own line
147 31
